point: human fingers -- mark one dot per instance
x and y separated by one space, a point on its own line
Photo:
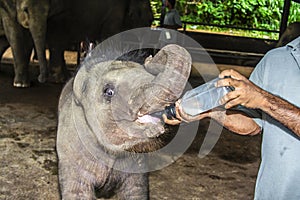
228 82
172 121
247 95
229 97
231 73
182 116
175 120
188 118
178 109
232 103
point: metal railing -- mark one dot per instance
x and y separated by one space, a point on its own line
185 23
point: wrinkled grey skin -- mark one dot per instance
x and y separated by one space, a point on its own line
25 23
99 112
3 41
291 33
95 20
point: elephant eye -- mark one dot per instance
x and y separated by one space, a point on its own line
108 91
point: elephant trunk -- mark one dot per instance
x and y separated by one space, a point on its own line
171 67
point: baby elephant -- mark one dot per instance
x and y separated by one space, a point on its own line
105 124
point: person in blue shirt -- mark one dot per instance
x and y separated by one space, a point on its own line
172 17
170 25
273 90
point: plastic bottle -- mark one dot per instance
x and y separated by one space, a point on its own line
200 99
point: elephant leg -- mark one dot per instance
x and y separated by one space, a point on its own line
3 46
135 187
21 45
58 70
73 184
21 53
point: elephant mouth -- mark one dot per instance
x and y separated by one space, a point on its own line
144 119
151 122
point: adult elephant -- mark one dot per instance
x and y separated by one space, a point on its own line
93 19
60 23
24 23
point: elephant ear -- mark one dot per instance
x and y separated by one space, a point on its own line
80 84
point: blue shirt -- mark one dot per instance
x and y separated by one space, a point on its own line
172 18
279 173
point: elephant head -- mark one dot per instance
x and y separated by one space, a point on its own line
117 98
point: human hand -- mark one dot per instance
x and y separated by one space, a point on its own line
246 93
181 116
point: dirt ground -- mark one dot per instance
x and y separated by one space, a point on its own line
28 120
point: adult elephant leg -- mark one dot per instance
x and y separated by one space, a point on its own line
21 45
3 46
33 15
58 36
21 52
58 71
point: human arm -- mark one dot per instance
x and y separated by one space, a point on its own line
249 95
234 121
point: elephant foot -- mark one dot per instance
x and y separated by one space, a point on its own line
58 73
21 82
42 78
57 78
21 85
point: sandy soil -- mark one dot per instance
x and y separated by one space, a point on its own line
28 119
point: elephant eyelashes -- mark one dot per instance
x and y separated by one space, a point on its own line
108 91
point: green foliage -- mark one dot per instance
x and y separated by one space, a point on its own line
259 14
156 8
294 12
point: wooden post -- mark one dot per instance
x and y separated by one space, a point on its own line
162 13
285 16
